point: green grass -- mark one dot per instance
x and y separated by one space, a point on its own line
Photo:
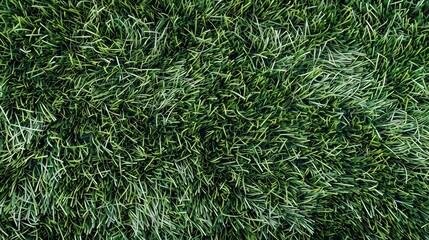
214 119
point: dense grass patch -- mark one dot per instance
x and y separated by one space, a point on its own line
214 119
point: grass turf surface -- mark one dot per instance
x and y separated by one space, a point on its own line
214 119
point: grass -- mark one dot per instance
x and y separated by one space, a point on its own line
214 119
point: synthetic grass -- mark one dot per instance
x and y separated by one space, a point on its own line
214 119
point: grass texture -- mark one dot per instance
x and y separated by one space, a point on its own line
214 119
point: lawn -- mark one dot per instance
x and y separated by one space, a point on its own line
213 119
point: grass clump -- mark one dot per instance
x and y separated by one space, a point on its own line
214 119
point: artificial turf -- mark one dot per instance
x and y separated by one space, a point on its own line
213 119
